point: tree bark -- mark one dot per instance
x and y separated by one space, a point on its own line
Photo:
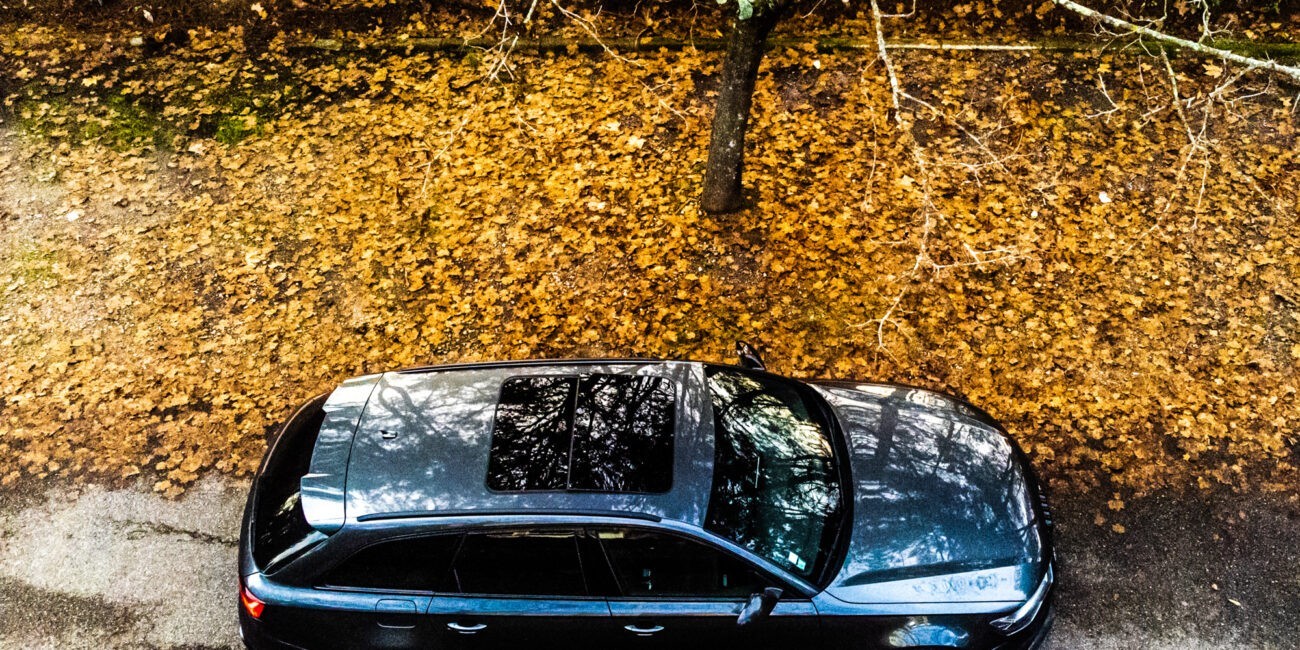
722 189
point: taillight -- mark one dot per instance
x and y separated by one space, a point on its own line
250 602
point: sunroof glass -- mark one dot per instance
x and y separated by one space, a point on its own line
604 433
532 434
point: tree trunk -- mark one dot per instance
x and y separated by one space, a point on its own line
722 191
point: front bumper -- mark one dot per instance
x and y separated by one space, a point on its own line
1033 636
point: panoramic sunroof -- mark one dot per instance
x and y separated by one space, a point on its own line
601 433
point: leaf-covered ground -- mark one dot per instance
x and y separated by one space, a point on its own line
195 238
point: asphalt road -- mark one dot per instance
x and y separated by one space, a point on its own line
89 567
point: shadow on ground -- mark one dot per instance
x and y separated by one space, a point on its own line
1191 571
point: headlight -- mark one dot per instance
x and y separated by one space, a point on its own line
919 632
1022 617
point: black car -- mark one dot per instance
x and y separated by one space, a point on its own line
641 504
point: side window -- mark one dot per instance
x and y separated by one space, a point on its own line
649 565
520 563
412 564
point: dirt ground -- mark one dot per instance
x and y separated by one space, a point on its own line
198 238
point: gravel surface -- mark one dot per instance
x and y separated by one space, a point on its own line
94 568
90 567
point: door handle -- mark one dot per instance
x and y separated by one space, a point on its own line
643 631
466 629
395 614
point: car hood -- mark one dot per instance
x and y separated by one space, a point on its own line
941 508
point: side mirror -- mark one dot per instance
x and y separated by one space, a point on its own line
759 606
749 357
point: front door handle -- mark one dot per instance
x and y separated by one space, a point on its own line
466 629
643 631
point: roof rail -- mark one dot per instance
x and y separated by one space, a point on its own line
413 514
523 363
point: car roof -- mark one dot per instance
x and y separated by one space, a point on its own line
416 443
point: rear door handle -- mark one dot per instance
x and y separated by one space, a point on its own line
398 614
643 631
466 629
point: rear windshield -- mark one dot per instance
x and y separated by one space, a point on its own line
280 530
600 432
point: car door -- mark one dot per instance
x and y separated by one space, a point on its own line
676 592
375 598
344 620
519 588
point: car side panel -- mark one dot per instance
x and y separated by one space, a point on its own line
457 622
684 623
324 619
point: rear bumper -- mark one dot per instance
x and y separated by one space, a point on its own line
255 637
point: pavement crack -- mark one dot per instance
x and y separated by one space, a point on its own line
136 529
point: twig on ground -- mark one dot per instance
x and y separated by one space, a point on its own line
453 135
1197 143
979 142
588 27
930 213
1178 100
1101 83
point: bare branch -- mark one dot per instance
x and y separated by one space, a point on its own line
1250 62
931 215
889 64
1178 101
1101 83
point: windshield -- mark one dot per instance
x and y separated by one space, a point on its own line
776 488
